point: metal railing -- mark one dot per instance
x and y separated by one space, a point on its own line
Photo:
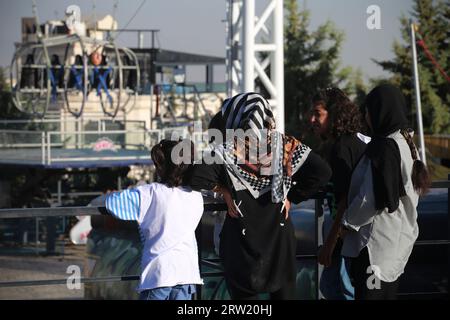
47 142
81 211
208 207
22 133
101 123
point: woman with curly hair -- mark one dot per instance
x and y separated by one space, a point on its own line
338 121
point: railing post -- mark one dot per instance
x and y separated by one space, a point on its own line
119 183
48 145
151 107
36 236
59 188
198 234
319 218
43 146
448 237
78 135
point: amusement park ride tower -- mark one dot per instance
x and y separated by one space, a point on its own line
69 62
62 61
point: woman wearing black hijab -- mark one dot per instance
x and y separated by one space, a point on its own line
257 242
383 198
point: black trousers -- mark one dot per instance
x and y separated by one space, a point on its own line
287 292
364 287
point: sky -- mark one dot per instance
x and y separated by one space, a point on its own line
197 26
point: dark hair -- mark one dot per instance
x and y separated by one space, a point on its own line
171 173
217 123
344 116
420 176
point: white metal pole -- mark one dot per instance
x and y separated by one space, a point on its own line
43 147
59 188
151 107
236 48
248 46
140 40
229 44
278 77
417 89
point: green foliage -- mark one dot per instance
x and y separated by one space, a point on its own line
3 83
433 19
312 62
7 108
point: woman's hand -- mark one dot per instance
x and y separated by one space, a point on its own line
287 208
232 210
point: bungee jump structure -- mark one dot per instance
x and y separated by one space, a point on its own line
72 69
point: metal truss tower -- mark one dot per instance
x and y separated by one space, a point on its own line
250 54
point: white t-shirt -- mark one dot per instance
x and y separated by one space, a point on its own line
167 219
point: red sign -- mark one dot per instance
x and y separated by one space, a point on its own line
104 144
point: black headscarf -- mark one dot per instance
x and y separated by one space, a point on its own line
387 110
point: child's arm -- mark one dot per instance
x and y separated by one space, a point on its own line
124 205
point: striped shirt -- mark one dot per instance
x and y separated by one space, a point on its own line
124 205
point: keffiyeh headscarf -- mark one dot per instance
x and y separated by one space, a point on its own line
278 157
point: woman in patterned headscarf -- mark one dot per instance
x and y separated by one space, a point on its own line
259 173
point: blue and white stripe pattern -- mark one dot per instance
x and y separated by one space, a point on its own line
124 205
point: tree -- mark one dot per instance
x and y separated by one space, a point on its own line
433 19
3 84
7 108
312 62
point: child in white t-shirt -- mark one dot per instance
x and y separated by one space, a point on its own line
168 213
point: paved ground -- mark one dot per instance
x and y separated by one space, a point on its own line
26 265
